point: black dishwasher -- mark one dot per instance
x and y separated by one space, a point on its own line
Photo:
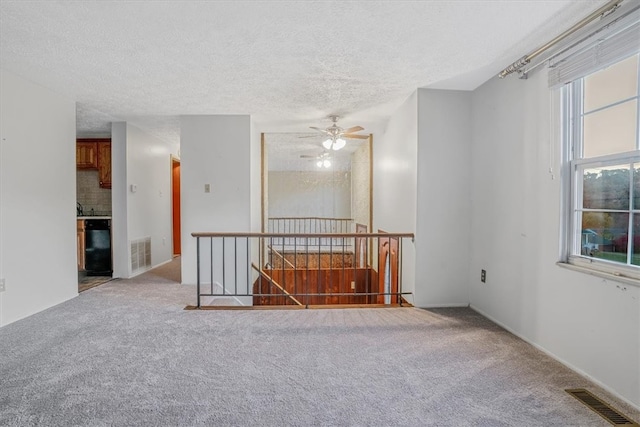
98 247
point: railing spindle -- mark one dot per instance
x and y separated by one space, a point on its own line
306 274
198 271
211 265
400 271
343 276
331 268
248 282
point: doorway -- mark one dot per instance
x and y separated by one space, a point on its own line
175 205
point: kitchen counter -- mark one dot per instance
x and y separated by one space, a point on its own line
93 217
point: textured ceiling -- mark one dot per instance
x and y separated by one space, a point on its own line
287 63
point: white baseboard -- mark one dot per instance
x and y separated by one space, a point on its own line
555 357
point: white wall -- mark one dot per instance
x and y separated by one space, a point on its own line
144 161
443 227
591 324
37 198
119 215
322 193
215 150
395 182
256 179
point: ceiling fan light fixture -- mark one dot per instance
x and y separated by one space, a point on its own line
336 136
326 164
319 163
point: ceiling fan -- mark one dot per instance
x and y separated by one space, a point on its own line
336 135
322 160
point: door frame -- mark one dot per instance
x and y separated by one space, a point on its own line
175 160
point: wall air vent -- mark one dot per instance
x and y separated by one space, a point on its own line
140 254
601 408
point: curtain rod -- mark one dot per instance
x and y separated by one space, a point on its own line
601 12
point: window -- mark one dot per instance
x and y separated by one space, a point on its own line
604 158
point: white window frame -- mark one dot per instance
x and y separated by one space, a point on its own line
572 111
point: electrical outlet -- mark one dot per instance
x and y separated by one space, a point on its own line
2 287
353 285
483 276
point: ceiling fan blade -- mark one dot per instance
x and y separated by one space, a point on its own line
307 156
353 129
308 136
353 136
319 130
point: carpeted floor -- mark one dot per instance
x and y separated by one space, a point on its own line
126 353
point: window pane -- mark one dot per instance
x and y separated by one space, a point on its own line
635 258
610 131
606 188
604 235
613 84
636 186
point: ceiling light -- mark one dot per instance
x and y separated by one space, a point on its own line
334 144
319 164
326 163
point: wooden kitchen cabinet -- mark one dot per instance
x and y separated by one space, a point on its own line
92 153
86 155
80 244
104 164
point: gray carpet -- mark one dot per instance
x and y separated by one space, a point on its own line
126 353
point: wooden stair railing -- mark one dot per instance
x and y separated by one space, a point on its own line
281 256
285 293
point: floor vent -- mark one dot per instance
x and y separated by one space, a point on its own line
140 254
601 408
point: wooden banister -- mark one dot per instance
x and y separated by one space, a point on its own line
286 261
277 285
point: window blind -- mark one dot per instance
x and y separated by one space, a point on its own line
597 52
